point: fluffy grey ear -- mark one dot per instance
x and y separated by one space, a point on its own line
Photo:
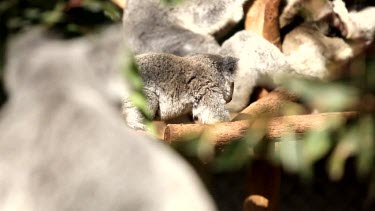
230 64
229 68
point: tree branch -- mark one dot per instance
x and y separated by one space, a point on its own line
223 133
263 18
120 3
272 105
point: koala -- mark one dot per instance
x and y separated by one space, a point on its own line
63 143
199 84
363 25
309 10
183 29
357 25
102 50
312 52
259 63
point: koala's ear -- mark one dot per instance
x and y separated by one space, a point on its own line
231 63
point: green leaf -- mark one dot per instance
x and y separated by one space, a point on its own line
232 156
93 5
315 146
32 13
289 153
139 100
366 145
131 73
112 11
324 96
72 28
346 147
54 16
15 23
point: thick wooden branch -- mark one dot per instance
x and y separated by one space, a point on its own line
263 18
263 187
223 133
272 105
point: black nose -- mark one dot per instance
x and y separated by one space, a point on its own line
228 99
231 92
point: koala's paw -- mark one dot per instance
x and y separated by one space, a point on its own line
133 117
137 126
207 116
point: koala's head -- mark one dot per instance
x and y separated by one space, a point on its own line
308 10
226 67
313 10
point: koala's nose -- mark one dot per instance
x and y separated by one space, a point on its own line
229 98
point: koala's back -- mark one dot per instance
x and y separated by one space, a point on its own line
182 30
65 155
170 73
149 27
174 85
260 62
199 16
208 17
86 59
254 52
313 54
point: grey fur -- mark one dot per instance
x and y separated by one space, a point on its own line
101 52
260 63
311 52
363 25
356 25
308 50
199 84
309 10
187 28
64 145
